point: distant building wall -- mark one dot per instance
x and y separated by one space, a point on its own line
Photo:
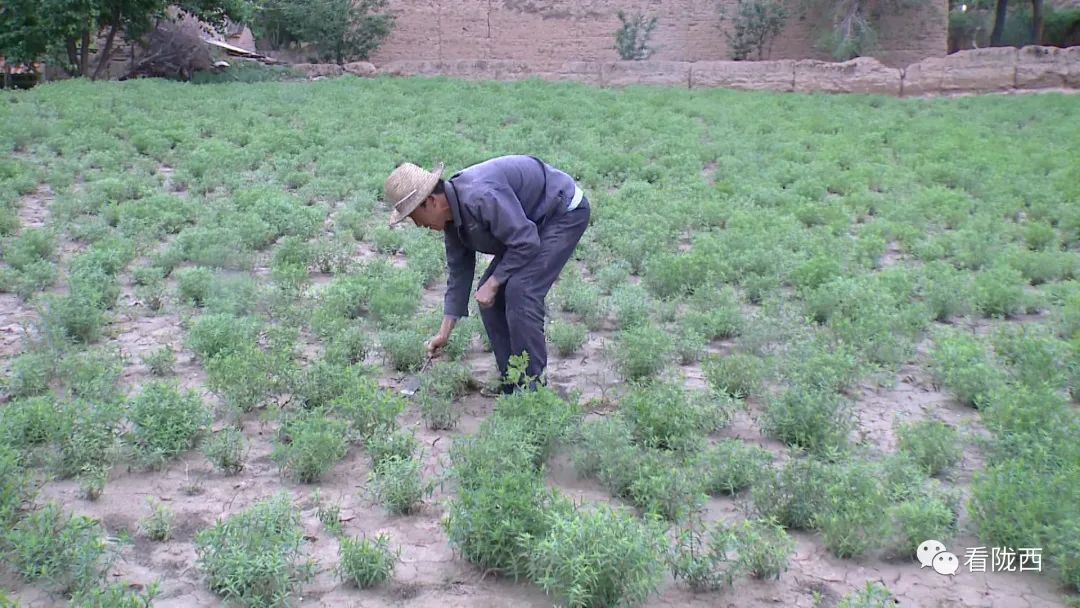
555 31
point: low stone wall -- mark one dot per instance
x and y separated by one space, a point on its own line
975 71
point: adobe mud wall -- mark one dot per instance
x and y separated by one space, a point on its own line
549 33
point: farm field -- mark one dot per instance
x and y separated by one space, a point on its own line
802 335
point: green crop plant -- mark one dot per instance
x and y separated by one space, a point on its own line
933 445
31 422
930 515
367 407
946 291
386 443
193 285
245 376
701 557
254 557
631 304
850 520
999 292
599 557
764 548
14 489
739 375
809 418
404 349
67 552
158 525
399 485
30 374
659 484
664 415
309 445
165 422
873 595
87 440
1033 355
642 352
546 418
567 336
731 466
963 365
117 595
792 495
161 361
92 374
714 314
227 450
214 335
366 563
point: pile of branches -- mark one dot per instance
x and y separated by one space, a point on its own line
170 51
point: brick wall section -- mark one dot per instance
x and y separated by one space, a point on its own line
976 71
552 32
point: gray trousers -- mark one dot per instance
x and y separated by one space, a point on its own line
515 321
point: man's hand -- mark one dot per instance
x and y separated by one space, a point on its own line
485 296
435 344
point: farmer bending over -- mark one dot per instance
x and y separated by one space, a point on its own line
526 213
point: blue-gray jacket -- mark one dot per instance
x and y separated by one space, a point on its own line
497 206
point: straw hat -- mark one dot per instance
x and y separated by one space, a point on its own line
407 187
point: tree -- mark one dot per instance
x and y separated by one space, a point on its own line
632 38
340 30
1000 12
756 24
1036 21
68 30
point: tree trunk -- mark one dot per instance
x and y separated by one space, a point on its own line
73 56
999 22
103 60
1036 21
84 53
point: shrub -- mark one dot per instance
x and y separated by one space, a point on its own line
715 314
365 563
166 421
253 557
1035 356
321 382
404 349
738 375
14 488
227 450
87 441
221 334
946 290
29 422
705 566
599 443
663 415
61 549
764 548
545 418
73 317
934 446
659 484
567 336
92 374
962 364
384 444
32 245
642 352
598 557
193 285
690 346
809 418
160 361
30 374
244 378
398 484
873 595
920 518
158 525
999 292
311 445
850 518
576 296
117 595
348 347
731 466
632 37
367 407
631 304
792 495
